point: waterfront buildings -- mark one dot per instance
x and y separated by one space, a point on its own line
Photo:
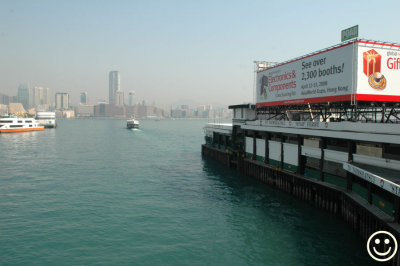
65 113
85 110
61 101
16 108
131 96
119 98
84 98
3 109
109 110
4 99
23 95
39 96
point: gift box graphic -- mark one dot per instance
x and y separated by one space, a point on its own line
371 62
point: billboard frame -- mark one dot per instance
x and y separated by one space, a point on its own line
352 97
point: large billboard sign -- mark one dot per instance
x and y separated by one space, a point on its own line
378 77
361 69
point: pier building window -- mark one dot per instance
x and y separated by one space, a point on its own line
291 139
276 137
369 149
312 162
334 168
337 144
312 142
391 151
249 133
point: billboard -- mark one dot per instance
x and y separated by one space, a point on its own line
358 68
378 75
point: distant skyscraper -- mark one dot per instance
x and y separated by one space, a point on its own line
39 96
23 95
114 86
4 99
131 96
14 99
62 100
84 98
119 98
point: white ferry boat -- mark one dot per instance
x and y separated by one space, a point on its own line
46 119
132 123
19 124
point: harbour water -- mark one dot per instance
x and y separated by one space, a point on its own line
94 192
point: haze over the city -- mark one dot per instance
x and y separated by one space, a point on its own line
171 51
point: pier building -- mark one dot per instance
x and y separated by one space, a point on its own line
326 129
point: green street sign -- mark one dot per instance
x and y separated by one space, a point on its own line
350 33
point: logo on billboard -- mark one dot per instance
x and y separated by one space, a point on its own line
372 69
264 86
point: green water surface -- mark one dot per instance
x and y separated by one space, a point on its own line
93 192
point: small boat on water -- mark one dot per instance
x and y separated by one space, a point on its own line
132 123
18 124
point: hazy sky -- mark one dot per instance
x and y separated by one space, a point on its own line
169 51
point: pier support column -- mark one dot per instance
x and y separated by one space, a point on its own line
266 156
351 147
397 209
370 189
300 160
226 141
254 146
321 162
282 155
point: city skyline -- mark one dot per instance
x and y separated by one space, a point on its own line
37 96
166 51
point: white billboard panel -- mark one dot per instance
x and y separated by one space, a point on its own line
378 77
321 77
369 71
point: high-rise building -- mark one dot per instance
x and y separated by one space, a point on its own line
131 96
119 98
39 96
114 86
4 99
84 98
23 95
62 100
14 99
